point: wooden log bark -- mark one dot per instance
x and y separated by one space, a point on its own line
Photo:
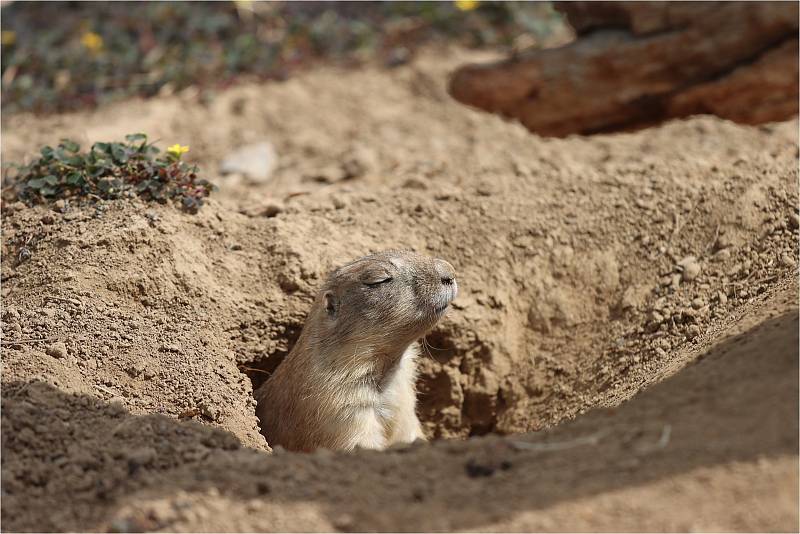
634 64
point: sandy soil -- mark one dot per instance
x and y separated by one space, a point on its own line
594 273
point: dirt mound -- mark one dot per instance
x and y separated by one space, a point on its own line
589 268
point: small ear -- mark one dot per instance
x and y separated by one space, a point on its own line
330 303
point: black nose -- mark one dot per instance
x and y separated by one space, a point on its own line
446 272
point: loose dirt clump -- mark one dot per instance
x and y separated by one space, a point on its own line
589 269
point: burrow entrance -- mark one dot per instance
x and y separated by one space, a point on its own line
444 408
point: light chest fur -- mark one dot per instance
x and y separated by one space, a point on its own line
344 408
375 414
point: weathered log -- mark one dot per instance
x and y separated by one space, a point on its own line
634 64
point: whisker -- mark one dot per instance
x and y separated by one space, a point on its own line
427 350
434 348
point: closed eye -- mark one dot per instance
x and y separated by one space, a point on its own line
378 281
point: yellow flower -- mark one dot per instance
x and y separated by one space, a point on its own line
92 41
176 150
467 5
8 38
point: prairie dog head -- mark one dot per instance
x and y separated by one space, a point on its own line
384 301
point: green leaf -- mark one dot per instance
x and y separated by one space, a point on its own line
132 138
69 145
36 183
119 153
74 178
100 147
99 171
50 179
47 152
47 191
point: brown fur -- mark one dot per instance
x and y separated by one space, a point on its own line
349 380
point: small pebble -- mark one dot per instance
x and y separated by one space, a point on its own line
722 255
57 350
690 267
398 56
141 456
338 202
686 315
414 183
676 281
209 410
135 368
724 241
15 206
270 209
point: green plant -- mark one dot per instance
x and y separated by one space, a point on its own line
111 170
59 56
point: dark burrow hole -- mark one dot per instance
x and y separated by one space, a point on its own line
260 370
442 413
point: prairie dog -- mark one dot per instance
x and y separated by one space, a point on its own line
350 379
